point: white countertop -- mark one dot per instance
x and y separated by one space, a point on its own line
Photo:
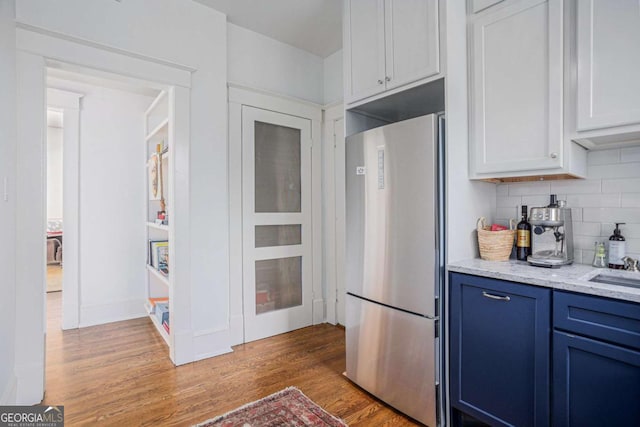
574 278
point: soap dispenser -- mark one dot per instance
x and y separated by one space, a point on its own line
600 256
617 248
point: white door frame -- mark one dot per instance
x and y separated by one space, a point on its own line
333 177
69 104
34 51
239 96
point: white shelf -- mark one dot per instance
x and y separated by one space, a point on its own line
164 279
158 227
160 328
162 126
156 102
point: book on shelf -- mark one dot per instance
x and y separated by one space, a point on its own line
163 259
151 303
162 312
153 252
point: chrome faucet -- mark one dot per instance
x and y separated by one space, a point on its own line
630 264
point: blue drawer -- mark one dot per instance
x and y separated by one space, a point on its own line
606 319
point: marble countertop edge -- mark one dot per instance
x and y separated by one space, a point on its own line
572 278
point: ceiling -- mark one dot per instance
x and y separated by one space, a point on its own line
311 25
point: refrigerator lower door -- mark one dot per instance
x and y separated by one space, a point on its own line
391 354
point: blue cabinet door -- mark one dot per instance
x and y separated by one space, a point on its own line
594 383
499 351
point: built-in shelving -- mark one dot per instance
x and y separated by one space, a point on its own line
159 275
160 328
160 130
158 226
158 171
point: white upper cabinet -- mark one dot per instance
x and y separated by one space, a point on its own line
607 38
364 52
516 93
389 44
412 48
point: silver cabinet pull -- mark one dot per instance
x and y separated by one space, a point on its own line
553 155
388 78
498 297
380 82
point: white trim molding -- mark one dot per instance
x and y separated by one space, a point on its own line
69 104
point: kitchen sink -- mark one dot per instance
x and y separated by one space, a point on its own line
615 280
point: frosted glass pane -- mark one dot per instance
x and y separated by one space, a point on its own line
278 235
277 168
278 284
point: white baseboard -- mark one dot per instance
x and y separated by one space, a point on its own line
115 311
318 311
211 343
236 330
9 394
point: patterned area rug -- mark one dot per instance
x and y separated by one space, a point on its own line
289 407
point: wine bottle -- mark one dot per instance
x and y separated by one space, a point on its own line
523 237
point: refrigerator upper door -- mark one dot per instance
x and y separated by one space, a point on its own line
391 209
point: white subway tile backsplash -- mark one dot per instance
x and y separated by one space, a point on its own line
630 200
507 213
508 202
576 214
586 228
594 200
610 193
620 170
536 201
633 245
621 185
576 186
584 242
604 157
631 154
630 215
529 188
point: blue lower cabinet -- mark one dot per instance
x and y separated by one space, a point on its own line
499 351
594 383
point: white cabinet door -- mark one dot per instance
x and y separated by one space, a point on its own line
412 41
516 86
364 48
608 49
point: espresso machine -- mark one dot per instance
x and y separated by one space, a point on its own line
552 237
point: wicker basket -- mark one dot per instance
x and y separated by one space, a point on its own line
495 245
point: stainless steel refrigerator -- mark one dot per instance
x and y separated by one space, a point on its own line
395 262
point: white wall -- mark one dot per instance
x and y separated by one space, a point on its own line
54 172
138 30
260 62
466 200
7 207
112 202
611 193
333 76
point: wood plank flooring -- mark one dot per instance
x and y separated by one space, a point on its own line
120 374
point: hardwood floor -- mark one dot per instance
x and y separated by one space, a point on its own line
120 374
54 278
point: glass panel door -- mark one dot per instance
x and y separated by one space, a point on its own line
276 222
